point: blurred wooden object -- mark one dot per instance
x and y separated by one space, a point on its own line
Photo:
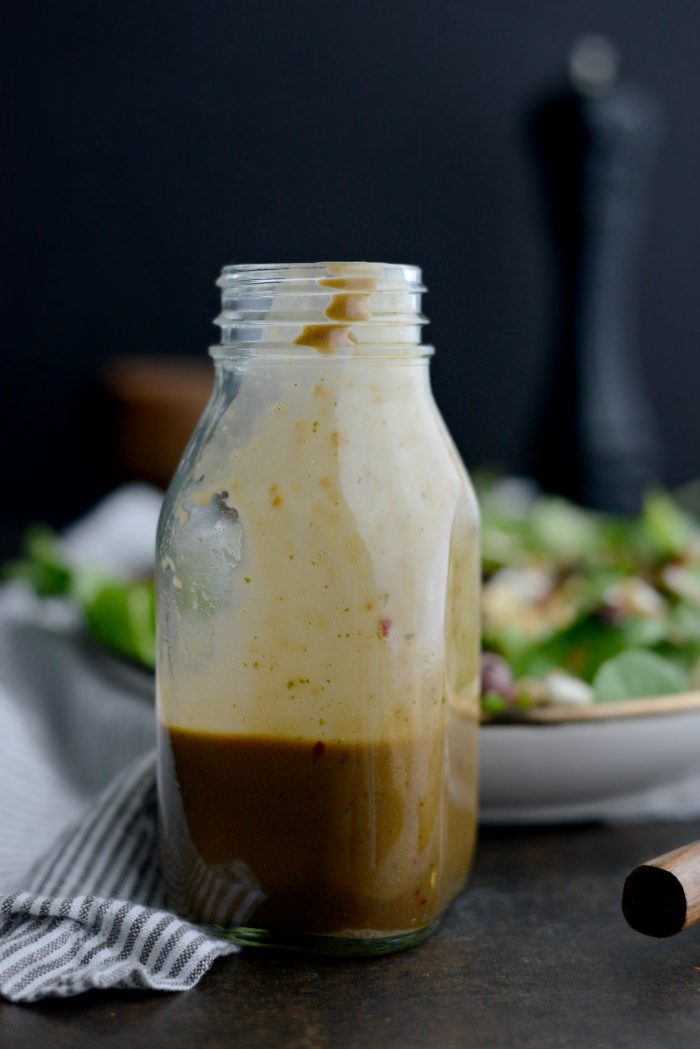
155 403
662 896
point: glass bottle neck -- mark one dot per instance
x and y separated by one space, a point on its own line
331 309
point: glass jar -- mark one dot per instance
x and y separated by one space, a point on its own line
318 627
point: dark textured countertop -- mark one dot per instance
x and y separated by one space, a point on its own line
534 954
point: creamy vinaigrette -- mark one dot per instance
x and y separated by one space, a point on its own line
318 622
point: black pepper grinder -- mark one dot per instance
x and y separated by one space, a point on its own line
596 141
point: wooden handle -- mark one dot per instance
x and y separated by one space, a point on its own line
662 897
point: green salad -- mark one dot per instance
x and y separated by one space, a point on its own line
577 607
119 614
584 608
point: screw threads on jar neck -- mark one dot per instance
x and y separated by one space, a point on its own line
348 308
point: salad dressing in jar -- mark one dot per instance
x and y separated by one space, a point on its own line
317 579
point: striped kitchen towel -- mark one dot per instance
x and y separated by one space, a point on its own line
81 898
93 915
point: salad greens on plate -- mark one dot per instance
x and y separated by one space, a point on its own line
581 607
577 607
119 614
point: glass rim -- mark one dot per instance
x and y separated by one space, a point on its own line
388 275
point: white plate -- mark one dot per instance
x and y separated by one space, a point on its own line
626 769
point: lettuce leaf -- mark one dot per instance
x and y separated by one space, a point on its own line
638 674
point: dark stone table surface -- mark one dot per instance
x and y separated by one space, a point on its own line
534 955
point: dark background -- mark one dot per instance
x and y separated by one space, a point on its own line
148 143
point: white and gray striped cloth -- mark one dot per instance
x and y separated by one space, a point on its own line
82 902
